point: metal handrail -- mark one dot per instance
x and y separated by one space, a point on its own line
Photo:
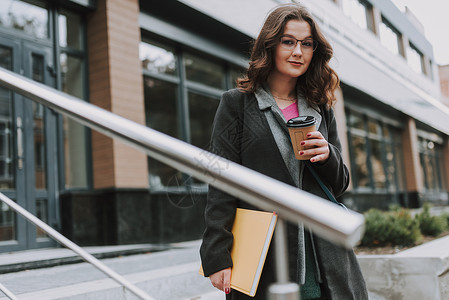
74 247
7 292
323 217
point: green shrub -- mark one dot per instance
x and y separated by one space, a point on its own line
405 230
396 227
445 216
376 225
431 225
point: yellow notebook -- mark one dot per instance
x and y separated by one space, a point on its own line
252 232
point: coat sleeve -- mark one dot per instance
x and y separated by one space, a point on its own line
221 207
334 172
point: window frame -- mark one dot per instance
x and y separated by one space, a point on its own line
369 18
422 67
394 129
390 26
185 86
436 154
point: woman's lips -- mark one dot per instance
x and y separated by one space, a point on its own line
296 63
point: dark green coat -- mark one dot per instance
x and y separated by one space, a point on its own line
242 134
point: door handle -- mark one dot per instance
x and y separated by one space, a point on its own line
19 143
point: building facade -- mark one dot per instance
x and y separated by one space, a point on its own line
165 64
443 71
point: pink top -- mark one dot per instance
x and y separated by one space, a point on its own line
290 111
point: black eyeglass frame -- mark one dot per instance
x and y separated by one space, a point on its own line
315 42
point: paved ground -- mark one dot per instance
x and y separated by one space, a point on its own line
169 274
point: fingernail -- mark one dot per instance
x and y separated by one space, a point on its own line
301 153
309 135
303 143
227 290
312 160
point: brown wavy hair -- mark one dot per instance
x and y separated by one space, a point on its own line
318 83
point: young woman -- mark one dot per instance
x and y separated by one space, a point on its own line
288 76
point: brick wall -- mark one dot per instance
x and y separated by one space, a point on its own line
115 80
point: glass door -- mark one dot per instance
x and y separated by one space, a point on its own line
28 163
40 146
11 153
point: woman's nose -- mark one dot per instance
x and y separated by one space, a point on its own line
297 51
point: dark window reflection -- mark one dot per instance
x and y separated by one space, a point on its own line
375 149
236 73
42 214
161 115
360 155
7 173
204 71
202 111
356 121
377 164
75 157
6 130
199 81
431 157
39 127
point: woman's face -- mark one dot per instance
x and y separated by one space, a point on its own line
294 52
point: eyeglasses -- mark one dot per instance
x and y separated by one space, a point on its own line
307 45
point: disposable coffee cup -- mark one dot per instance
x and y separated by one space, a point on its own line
298 128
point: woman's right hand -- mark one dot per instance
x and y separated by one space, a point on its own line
222 280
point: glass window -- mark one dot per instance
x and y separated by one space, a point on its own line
182 92
389 37
374 127
161 115
360 166
42 214
375 149
75 141
6 131
357 11
160 106
377 165
30 17
204 71
157 58
7 223
70 30
356 121
431 158
236 73
202 111
39 127
415 59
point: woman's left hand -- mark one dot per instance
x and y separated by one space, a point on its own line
316 146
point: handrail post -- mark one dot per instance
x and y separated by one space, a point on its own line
282 289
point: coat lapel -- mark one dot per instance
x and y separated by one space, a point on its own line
305 109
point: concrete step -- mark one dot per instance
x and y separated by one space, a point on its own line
49 257
171 274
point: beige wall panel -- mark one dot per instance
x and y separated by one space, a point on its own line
116 84
131 169
99 85
413 172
